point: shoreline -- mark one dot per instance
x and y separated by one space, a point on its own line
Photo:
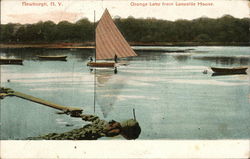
89 45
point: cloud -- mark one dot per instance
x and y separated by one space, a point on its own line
55 16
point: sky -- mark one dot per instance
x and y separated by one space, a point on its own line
21 11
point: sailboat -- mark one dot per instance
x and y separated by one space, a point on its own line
110 43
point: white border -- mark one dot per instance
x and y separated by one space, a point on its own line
126 149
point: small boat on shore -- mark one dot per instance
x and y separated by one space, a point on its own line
233 70
53 58
11 61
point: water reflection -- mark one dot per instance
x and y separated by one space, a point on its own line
25 54
226 74
149 56
166 89
225 60
108 87
182 58
33 53
82 54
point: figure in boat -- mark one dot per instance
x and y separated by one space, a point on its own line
90 59
110 43
115 59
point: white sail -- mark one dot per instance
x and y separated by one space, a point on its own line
109 40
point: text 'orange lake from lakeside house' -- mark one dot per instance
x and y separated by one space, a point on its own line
157 4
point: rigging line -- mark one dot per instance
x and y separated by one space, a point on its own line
72 81
94 88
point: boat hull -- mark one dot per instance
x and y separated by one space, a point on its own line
235 70
53 58
101 64
11 61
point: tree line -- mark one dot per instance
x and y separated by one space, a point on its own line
224 29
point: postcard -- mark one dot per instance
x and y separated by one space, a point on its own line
125 79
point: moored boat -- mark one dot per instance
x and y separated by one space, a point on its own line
233 70
58 57
11 61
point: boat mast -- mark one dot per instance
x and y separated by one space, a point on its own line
94 37
95 61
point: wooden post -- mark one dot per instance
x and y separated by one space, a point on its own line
134 114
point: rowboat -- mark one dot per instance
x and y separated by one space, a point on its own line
53 58
110 43
11 61
101 64
233 70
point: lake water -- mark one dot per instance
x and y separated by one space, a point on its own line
172 97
